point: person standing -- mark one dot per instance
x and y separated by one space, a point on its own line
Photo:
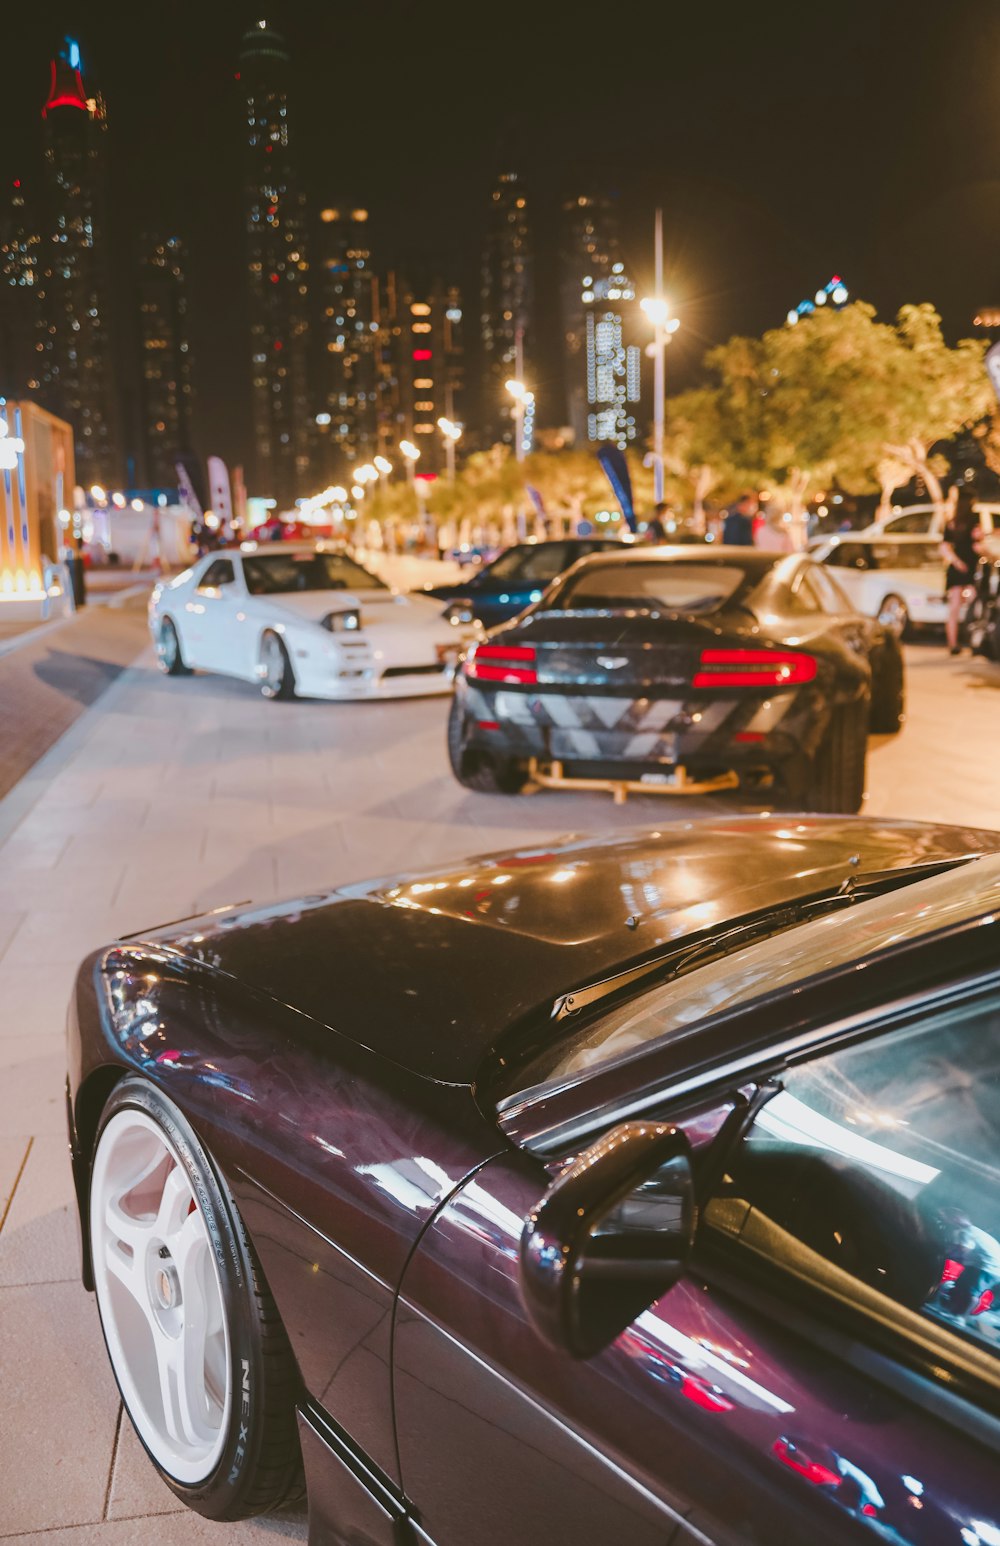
737 528
960 546
656 526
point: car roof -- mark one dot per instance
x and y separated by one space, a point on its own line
447 962
254 549
926 539
689 553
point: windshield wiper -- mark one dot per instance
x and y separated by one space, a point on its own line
679 957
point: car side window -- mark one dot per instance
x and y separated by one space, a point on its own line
805 598
883 1161
849 555
544 563
829 592
217 574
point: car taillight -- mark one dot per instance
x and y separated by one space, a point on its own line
502 663
754 668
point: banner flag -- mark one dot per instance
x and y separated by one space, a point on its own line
186 490
616 468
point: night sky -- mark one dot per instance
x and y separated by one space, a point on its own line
785 143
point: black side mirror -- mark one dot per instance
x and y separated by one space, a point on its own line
609 1237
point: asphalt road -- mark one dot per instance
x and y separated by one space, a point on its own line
166 796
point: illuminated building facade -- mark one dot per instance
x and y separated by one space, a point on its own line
165 357
349 337
20 272
603 366
506 299
74 368
421 367
277 274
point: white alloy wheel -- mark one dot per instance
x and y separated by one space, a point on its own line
160 1297
893 616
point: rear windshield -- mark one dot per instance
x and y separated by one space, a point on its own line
655 587
271 574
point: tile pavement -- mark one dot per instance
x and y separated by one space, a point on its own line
169 795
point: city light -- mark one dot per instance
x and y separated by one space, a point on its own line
323 418
835 291
656 309
517 390
409 450
96 492
450 431
383 464
11 447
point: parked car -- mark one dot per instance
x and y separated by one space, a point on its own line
501 589
603 1191
929 520
896 577
681 670
306 619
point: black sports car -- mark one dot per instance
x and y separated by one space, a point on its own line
623 1191
512 581
682 669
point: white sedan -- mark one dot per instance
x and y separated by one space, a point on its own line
303 618
897 578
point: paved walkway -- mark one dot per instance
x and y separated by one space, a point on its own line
171 795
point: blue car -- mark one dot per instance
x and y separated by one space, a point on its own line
500 590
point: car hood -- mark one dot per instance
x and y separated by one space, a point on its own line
375 605
430 970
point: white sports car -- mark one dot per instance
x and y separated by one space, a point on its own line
306 619
897 578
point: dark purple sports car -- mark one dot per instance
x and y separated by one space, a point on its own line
638 1190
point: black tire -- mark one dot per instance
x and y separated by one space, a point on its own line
888 709
168 650
480 770
260 1465
835 783
279 682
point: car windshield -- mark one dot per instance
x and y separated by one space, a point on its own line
274 574
530 563
658 587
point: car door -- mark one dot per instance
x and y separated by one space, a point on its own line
208 617
825 1370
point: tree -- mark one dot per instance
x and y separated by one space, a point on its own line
936 392
838 397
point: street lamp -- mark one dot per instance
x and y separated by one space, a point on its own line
524 402
383 464
452 435
412 454
657 309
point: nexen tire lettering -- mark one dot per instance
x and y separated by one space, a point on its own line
243 1439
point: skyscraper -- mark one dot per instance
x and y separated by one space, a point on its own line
603 367
430 373
20 254
506 298
348 364
74 365
277 274
165 357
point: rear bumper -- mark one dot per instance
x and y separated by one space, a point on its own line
600 736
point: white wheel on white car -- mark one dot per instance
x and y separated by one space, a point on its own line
168 649
277 679
160 1297
894 615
